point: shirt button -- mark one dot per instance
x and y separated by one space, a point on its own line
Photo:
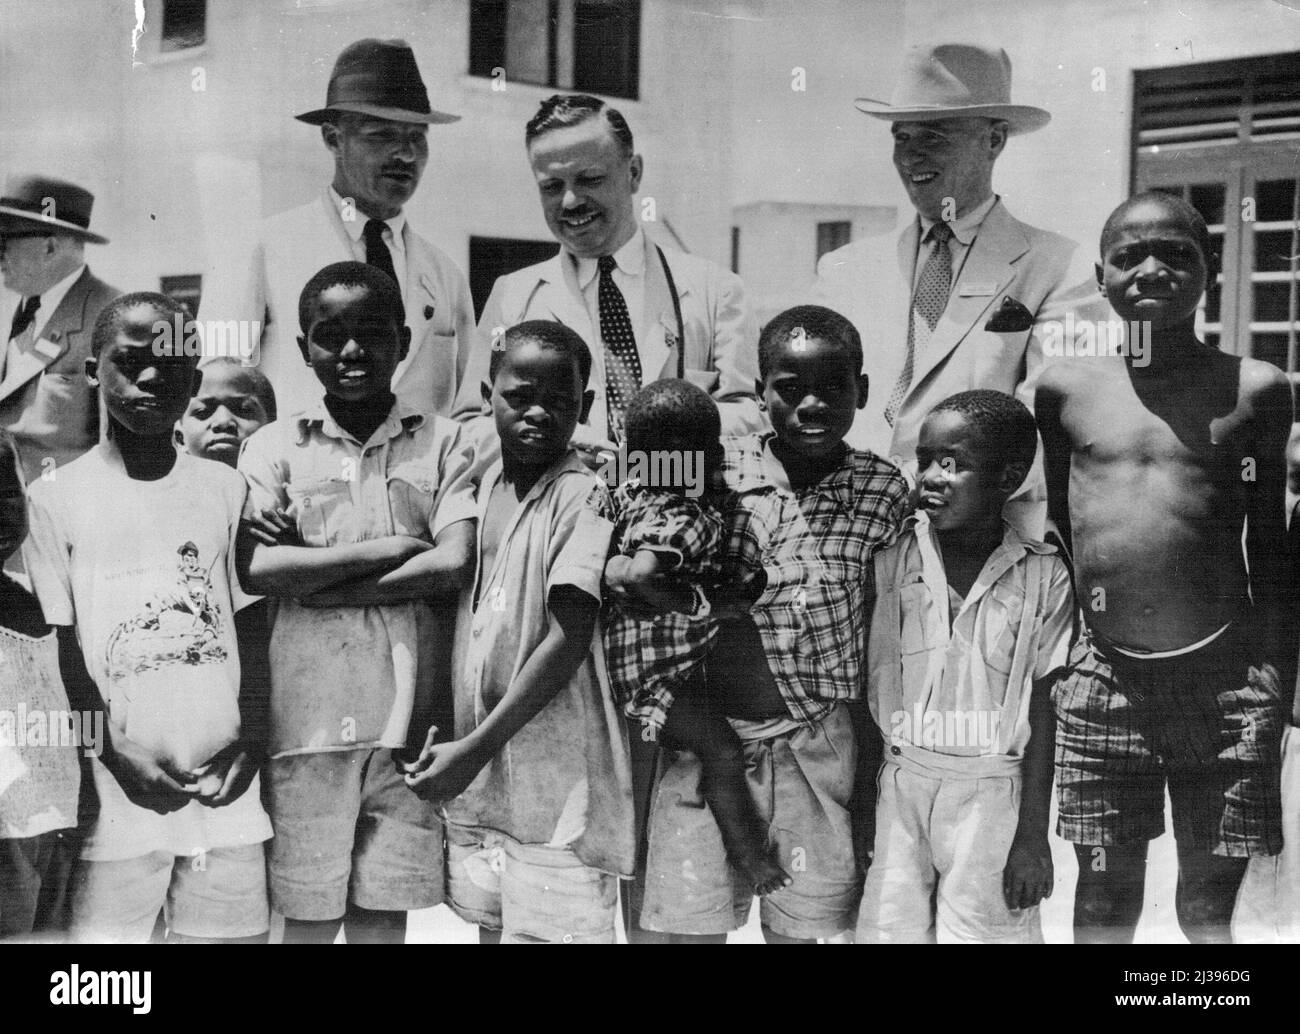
896 750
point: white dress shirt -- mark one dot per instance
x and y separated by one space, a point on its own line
50 301
356 227
964 231
629 278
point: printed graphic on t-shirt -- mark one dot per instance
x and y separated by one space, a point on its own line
182 625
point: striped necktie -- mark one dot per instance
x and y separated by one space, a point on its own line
928 303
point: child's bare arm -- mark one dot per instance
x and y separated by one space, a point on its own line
1056 454
147 780
1269 395
433 574
224 777
296 571
446 769
1028 876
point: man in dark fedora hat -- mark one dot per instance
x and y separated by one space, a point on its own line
375 125
957 296
45 400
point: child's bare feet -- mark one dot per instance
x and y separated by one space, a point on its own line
761 870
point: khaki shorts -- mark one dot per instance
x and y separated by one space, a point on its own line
941 848
801 782
530 892
349 829
220 893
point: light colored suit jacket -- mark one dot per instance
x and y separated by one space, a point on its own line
721 334
45 400
294 246
870 282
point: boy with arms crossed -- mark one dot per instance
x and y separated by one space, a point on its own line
358 525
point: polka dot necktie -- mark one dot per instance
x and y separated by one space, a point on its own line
622 364
928 303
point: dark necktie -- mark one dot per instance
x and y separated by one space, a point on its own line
377 253
622 364
24 315
928 303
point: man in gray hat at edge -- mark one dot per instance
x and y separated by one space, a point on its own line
957 295
375 125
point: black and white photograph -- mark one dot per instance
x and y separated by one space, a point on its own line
650 472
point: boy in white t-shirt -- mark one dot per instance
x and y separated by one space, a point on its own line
131 552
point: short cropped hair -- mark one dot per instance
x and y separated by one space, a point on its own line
351 274
817 321
110 317
262 389
1174 204
669 409
562 110
547 334
1006 429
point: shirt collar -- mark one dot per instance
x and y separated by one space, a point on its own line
965 227
1002 559
751 465
400 419
356 226
630 260
52 297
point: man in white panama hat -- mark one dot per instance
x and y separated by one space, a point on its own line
45 400
957 295
375 125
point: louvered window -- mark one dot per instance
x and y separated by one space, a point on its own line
1226 136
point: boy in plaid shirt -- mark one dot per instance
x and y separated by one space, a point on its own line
812 513
672 426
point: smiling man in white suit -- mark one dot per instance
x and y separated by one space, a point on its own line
375 124
958 295
615 286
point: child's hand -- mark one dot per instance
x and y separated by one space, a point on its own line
272 528
645 598
148 780
443 770
225 776
1028 877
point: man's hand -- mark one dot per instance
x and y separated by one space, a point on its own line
272 528
593 449
148 780
224 777
1028 877
443 770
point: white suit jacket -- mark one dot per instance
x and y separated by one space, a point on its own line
870 282
295 245
721 334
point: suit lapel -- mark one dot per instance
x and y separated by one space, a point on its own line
656 339
68 319
557 294
990 261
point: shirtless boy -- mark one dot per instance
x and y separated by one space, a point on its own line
1152 473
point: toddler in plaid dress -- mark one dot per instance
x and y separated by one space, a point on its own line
667 523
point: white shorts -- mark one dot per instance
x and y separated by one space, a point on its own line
941 848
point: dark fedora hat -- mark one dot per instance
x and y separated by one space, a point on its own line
377 77
32 201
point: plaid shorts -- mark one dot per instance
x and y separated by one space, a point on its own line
1208 723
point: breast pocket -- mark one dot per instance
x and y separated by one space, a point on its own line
828 615
1001 616
412 492
321 508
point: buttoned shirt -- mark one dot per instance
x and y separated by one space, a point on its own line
815 545
50 301
564 779
964 229
349 677
950 685
356 228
